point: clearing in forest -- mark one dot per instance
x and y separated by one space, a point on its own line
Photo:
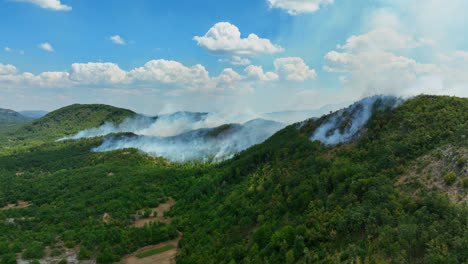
165 257
21 204
164 207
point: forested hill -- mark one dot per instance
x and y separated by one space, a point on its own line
396 193
9 118
63 122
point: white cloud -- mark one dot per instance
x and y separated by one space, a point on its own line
256 73
375 62
117 40
294 69
97 73
295 7
378 71
7 49
6 69
384 39
172 72
236 60
457 56
224 39
165 77
49 4
46 46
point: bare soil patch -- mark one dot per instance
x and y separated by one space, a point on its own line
166 257
106 218
429 170
21 204
160 210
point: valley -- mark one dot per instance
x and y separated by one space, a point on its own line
379 196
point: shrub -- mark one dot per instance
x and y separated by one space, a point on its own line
465 183
450 178
8 259
461 162
35 251
84 254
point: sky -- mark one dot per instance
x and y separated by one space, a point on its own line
243 56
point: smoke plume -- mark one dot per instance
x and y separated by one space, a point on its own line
183 136
346 124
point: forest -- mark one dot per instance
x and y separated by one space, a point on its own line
286 200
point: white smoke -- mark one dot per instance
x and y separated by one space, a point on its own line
203 144
346 124
183 136
131 124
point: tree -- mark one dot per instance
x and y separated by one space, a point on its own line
34 251
8 259
290 257
450 178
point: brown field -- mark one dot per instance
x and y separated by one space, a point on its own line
159 214
21 204
166 257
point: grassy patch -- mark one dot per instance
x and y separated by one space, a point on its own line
154 251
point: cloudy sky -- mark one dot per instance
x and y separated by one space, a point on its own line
223 55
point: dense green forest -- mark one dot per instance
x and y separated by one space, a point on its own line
287 200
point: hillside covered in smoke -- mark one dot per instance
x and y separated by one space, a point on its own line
182 136
187 136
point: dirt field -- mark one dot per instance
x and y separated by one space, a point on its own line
21 204
159 214
166 257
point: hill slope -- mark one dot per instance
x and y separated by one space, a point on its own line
10 118
62 122
287 200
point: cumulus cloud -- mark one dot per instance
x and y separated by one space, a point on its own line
224 39
6 69
294 7
155 73
166 77
97 72
256 73
383 39
117 40
294 69
46 46
169 72
236 60
372 65
49 4
7 49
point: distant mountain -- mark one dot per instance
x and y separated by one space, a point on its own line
34 114
7 115
10 118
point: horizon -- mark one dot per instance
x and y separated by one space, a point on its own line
247 57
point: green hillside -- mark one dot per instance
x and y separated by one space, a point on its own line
10 118
62 122
287 200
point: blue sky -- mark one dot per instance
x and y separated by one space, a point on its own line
145 54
